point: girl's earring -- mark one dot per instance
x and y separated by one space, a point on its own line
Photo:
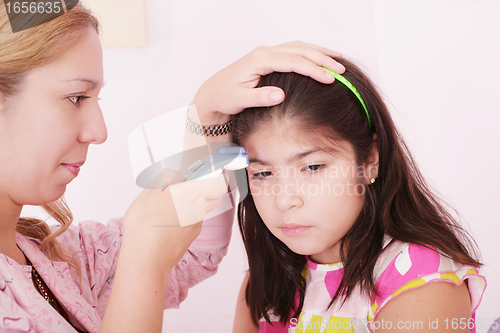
372 180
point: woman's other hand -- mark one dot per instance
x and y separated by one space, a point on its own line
167 221
152 244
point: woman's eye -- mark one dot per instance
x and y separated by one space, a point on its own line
261 175
314 167
77 99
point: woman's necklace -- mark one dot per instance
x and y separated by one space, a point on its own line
42 288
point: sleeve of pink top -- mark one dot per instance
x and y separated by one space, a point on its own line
97 248
202 258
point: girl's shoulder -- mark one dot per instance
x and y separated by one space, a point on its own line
404 266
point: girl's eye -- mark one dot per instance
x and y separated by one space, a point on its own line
261 175
77 99
314 167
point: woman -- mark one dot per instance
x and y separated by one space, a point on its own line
60 279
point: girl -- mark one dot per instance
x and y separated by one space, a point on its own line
92 277
341 231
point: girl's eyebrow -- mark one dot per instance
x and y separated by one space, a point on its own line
292 159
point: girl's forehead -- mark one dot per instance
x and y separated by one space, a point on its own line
274 141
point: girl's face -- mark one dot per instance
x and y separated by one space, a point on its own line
308 196
48 125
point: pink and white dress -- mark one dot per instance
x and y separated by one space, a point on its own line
400 268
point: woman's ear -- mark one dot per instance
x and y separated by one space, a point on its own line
1 102
371 164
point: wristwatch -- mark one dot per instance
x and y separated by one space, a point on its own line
213 130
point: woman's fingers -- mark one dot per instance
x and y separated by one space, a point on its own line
209 189
258 97
166 178
171 176
319 48
179 204
291 62
317 55
193 200
295 57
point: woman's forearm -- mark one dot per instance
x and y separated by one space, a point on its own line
139 285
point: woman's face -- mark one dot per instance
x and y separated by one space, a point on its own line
308 197
47 126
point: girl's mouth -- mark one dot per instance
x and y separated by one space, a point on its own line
294 231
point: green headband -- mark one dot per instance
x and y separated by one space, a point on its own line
349 85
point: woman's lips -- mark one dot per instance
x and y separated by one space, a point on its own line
74 168
294 231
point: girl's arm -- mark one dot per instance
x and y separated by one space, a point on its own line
437 307
242 320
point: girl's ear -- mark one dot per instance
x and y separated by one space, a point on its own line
371 164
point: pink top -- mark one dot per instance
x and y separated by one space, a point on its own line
401 267
23 309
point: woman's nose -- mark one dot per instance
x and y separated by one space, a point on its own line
93 129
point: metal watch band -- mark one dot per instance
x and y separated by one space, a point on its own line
213 130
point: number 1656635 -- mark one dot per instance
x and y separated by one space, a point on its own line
33 7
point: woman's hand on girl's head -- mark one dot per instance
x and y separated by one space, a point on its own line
233 88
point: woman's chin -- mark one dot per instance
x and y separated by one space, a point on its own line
49 197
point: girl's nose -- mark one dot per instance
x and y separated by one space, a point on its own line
286 191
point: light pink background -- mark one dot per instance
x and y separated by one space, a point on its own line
435 61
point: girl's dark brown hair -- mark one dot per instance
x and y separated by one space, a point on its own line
399 204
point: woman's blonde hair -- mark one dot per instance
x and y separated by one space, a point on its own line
21 52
